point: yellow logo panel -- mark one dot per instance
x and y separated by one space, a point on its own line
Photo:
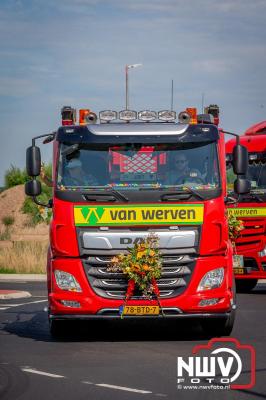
247 211
139 214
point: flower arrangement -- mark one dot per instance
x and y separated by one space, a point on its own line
142 266
235 226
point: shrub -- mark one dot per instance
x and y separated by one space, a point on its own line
8 220
15 176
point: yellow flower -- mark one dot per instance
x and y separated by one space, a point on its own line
115 260
141 254
146 267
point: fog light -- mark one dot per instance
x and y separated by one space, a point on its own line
208 302
70 303
262 253
66 281
212 279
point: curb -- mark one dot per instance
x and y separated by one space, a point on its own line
23 277
13 294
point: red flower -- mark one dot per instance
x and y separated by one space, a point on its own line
130 288
156 289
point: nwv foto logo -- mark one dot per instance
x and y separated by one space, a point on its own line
220 362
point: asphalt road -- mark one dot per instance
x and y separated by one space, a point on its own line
107 360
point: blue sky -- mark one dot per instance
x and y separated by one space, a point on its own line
73 52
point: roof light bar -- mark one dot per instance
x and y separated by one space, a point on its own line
86 117
192 111
184 117
167 115
68 115
107 115
147 115
127 115
205 119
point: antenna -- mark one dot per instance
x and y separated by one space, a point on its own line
202 102
172 95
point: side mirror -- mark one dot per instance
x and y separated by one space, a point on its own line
240 160
242 186
33 188
33 161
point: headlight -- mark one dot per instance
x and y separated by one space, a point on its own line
66 281
263 252
212 279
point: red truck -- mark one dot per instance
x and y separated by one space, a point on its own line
114 183
251 209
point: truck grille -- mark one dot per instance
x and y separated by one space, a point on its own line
252 234
176 273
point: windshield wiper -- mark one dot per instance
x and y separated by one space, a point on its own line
194 192
112 195
172 196
182 195
71 149
119 195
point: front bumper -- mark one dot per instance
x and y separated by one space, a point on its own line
115 315
254 266
187 303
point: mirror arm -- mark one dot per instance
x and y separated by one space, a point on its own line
233 134
231 200
41 136
48 205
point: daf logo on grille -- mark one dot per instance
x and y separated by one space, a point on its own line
127 240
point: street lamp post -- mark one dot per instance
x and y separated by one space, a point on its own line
127 92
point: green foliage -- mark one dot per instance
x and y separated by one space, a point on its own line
15 176
8 220
48 170
235 226
4 270
37 213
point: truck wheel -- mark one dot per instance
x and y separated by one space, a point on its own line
245 285
57 328
218 327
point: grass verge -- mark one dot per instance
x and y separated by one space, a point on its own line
24 258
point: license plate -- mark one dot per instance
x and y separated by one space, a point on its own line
239 271
141 310
238 262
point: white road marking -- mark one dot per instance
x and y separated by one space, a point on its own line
22 304
3 308
35 371
87 382
127 389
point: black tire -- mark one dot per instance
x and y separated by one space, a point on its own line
57 328
220 327
215 327
245 285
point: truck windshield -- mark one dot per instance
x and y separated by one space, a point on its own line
256 174
136 166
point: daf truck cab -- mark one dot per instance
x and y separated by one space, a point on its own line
117 181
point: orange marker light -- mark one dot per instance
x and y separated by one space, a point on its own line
86 117
192 111
82 116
